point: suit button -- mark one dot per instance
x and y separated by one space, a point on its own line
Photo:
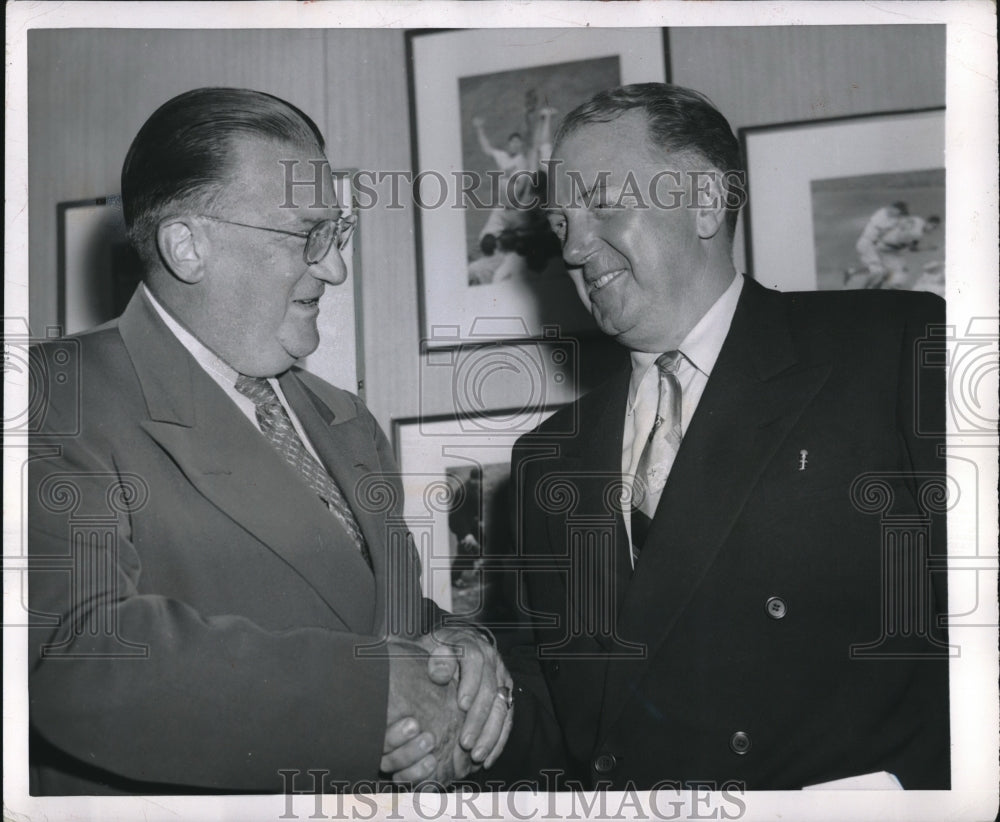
776 608
605 763
740 742
554 669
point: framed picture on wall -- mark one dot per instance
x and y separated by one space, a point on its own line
456 473
97 269
99 272
854 202
485 105
339 359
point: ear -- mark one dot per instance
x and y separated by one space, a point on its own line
710 205
181 246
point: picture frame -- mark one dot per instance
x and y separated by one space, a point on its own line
340 357
437 455
98 271
815 186
519 75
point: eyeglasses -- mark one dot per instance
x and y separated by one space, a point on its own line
319 239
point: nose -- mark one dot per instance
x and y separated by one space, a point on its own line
331 269
580 239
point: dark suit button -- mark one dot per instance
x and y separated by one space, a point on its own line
776 608
554 669
605 763
740 742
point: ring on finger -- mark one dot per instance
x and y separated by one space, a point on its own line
506 696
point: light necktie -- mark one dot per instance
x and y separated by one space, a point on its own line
659 452
277 426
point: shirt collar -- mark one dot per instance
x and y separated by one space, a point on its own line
202 355
702 344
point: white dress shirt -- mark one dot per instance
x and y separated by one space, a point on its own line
224 374
701 349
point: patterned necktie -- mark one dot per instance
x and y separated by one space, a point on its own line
658 454
277 426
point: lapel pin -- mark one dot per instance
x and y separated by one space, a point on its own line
803 459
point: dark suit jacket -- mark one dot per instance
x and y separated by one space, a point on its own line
781 626
197 610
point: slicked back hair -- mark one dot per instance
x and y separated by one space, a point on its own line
182 157
679 120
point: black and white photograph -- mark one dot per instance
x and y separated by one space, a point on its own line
850 202
485 105
880 231
457 481
511 238
576 410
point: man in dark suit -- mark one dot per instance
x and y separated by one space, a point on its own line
223 590
731 543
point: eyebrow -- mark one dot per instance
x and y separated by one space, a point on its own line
309 220
586 194
601 184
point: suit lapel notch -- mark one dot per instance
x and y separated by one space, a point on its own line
230 464
241 474
164 367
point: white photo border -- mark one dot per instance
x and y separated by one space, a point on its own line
972 207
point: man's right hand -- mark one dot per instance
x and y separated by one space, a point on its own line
416 704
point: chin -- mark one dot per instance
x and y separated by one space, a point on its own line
271 367
300 345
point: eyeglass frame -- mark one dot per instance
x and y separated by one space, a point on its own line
344 227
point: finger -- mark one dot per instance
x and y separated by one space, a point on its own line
400 732
407 755
442 664
508 723
479 713
490 735
424 769
471 678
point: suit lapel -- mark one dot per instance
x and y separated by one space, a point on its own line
346 453
592 464
227 461
757 390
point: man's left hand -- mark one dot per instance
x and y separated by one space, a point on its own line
484 688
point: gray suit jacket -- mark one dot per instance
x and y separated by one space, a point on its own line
198 614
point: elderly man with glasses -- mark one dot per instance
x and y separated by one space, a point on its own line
222 597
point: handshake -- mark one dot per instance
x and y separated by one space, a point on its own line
450 707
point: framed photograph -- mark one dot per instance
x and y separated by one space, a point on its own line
340 357
456 479
99 271
485 105
855 202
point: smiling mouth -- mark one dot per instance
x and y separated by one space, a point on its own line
604 280
312 302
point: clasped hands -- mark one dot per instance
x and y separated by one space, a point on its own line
448 712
